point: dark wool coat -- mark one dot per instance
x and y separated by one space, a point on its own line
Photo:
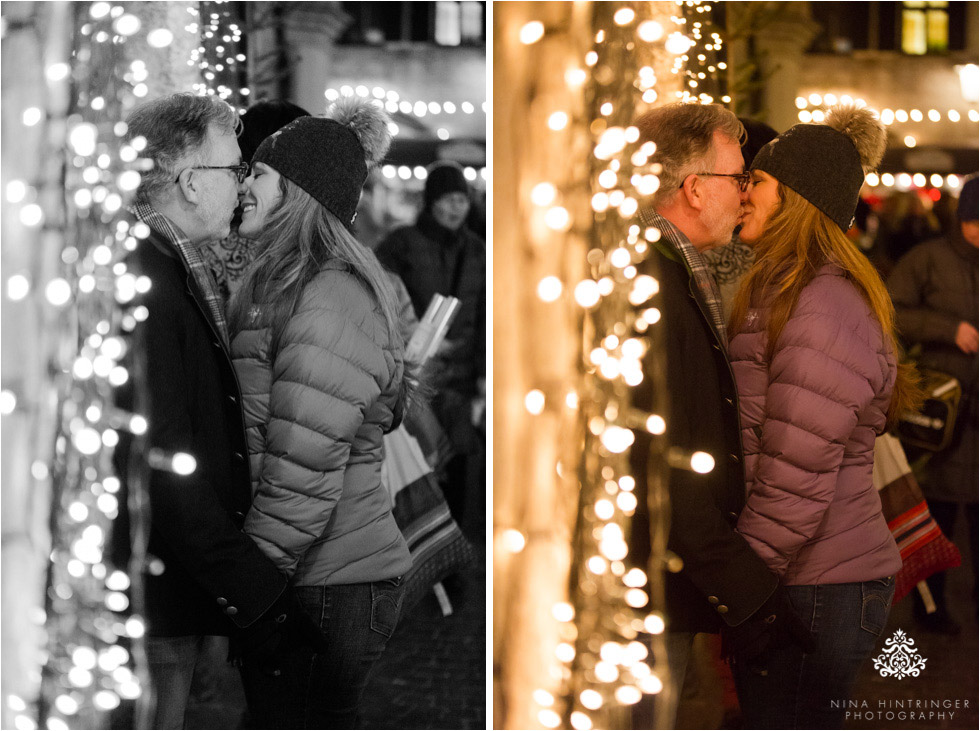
722 578
432 260
934 288
212 571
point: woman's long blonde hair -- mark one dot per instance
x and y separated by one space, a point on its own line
798 240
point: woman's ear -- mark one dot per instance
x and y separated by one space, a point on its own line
188 183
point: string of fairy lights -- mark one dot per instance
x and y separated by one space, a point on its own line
612 617
92 659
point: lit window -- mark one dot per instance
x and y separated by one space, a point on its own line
925 27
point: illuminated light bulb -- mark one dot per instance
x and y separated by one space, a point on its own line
434 108
919 180
128 180
936 180
887 179
16 191
57 71
636 598
901 115
598 356
597 565
84 657
543 194
604 509
591 58
107 504
626 501
620 258
655 424
77 512
563 612
628 694
361 90
815 99
135 627
607 178
909 141
647 185
829 100
805 116
111 484
534 402
587 293
93 413
632 349
628 208
571 400
116 601
82 369
110 437
678 44
565 652
106 700
532 32
66 705
934 115
580 721
915 115
650 31
609 368
651 315
654 624
31 215
846 99
635 577
558 219
606 672
543 697
512 540
611 652
102 255
58 292
31 116
591 699
404 172
420 172
127 25
953 115
389 171
872 179
83 198
99 10
143 284
18 287
557 120
549 719
39 470
818 115
616 198
651 685
80 677
600 202
801 102
606 109
129 689
624 16
550 289
575 77
159 38
702 462
467 108
651 234
184 464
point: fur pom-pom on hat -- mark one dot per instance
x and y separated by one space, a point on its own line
826 163
866 132
329 157
368 122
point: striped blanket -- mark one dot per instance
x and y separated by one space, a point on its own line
925 550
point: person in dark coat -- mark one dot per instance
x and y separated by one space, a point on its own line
722 580
439 254
204 576
934 288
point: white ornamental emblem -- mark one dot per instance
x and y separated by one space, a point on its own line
900 659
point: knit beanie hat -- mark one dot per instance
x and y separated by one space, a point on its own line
444 177
826 163
966 209
329 157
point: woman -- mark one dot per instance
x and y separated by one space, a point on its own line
813 352
316 346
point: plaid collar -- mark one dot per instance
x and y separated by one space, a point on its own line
192 260
695 264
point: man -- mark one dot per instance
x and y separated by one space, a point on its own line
935 289
204 576
439 254
722 581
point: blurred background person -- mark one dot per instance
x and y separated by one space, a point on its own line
934 288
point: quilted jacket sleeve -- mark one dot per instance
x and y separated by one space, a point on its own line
323 379
907 284
823 375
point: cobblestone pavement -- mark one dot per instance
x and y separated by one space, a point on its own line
433 674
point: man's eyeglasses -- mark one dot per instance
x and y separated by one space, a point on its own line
241 170
742 179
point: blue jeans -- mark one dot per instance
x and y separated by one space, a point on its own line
178 666
788 690
323 691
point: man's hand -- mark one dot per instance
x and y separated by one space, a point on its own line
774 624
967 338
283 627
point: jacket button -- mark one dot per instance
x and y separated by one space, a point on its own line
233 399
240 515
234 610
222 602
733 516
216 344
722 609
730 401
716 346
239 456
733 458
713 599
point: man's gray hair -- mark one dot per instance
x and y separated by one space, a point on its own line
684 134
175 128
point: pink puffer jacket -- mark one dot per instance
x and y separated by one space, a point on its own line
809 421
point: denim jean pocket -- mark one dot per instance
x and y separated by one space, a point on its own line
386 603
876 599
